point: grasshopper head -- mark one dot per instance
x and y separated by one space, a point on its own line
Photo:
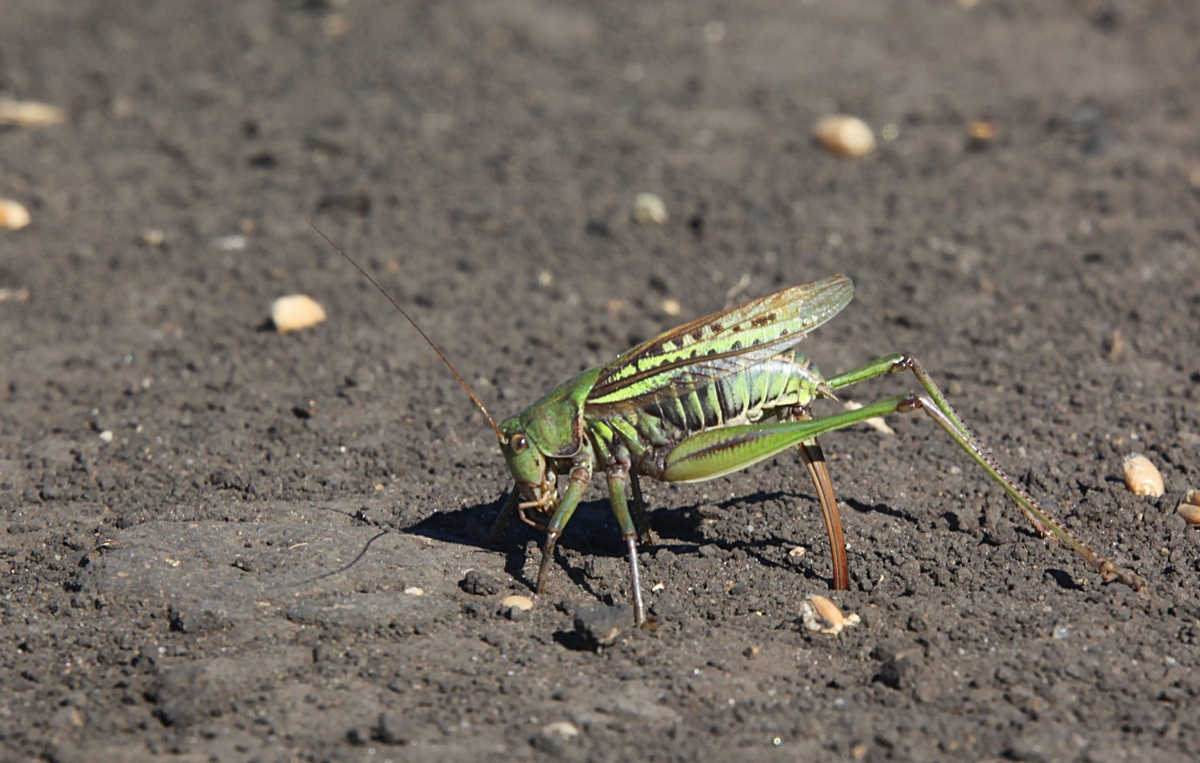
527 465
543 435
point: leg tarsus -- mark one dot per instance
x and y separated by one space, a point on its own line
635 579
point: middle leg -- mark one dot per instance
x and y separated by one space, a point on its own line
618 474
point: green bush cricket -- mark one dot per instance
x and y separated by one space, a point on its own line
705 399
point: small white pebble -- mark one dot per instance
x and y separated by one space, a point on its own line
1142 477
523 603
657 587
671 307
413 590
106 436
649 209
798 552
845 135
296 311
13 214
232 243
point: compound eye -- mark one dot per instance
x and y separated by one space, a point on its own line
518 444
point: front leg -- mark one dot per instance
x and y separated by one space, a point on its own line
618 474
581 474
510 508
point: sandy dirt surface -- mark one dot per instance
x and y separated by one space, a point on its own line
221 543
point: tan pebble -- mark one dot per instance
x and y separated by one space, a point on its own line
335 25
13 214
714 32
798 552
1142 477
11 294
817 609
845 135
671 307
615 306
875 422
29 113
296 311
1192 497
413 590
827 609
1190 513
562 729
980 134
523 603
649 209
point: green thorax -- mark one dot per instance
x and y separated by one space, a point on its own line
554 424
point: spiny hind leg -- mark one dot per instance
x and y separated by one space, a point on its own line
935 404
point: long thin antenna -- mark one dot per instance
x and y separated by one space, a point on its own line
424 336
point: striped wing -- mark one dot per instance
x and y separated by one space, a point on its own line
696 354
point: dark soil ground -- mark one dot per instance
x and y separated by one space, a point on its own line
182 586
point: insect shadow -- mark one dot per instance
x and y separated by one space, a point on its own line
859 507
594 533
